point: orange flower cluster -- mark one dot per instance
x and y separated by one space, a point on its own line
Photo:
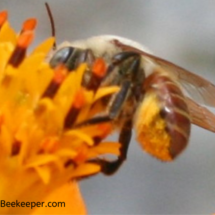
40 149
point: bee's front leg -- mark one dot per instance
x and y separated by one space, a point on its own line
114 109
110 167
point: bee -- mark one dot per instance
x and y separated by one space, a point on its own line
153 96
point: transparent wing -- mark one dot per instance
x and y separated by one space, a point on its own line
201 116
197 87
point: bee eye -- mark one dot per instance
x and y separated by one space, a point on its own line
69 56
61 56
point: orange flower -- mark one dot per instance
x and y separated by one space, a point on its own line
41 152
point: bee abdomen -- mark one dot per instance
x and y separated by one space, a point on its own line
163 123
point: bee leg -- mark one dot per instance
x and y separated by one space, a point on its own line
125 138
125 89
115 107
119 58
110 167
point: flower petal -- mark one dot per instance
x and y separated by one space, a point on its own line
85 169
104 91
80 135
41 160
70 195
7 34
45 46
44 173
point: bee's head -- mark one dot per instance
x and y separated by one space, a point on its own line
72 54
101 46
71 57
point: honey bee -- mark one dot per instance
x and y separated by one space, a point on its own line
153 96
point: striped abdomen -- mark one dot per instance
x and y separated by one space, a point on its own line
162 121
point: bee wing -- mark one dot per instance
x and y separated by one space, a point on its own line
197 87
201 116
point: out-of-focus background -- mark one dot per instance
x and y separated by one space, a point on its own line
181 31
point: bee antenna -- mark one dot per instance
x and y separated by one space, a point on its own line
51 21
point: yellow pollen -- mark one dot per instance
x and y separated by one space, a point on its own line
151 129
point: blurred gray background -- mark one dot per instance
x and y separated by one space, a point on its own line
181 31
